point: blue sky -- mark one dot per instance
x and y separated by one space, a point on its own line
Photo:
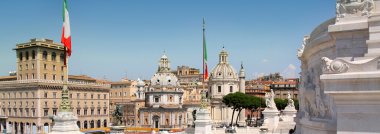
115 38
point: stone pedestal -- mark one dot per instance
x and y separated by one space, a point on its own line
288 114
357 100
271 119
65 123
203 122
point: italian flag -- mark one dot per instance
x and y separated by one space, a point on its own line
205 70
66 35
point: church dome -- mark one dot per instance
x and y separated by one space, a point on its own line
140 83
164 77
223 70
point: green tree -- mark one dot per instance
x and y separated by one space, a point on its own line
254 103
118 115
236 101
280 103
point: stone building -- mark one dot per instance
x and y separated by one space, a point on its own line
281 88
163 100
122 93
32 97
223 80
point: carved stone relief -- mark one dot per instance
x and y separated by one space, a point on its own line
353 8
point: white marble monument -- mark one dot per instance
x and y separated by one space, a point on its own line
203 120
271 114
290 111
340 79
65 123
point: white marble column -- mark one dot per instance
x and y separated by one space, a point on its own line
171 119
1 127
141 119
150 119
18 128
162 119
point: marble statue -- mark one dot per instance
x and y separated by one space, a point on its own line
269 100
304 42
290 100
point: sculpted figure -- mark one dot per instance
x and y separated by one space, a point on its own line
290 100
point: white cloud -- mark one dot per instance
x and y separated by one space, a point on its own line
265 60
290 72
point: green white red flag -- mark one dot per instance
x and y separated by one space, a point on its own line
66 35
205 68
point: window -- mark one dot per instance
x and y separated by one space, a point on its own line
20 56
156 99
78 94
62 68
98 111
54 111
27 55
45 94
219 89
53 67
53 56
98 96
33 54
45 76
92 111
46 112
53 76
32 75
33 112
20 77
27 112
62 77
105 111
45 66
231 89
26 66
71 96
21 112
62 57
85 95
78 111
105 96
54 94
44 55
27 76
85 111
32 65
92 96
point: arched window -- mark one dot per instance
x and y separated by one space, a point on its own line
78 124
33 54
105 123
20 56
53 56
92 124
44 55
27 55
98 124
85 125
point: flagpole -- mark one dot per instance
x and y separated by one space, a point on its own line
65 105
